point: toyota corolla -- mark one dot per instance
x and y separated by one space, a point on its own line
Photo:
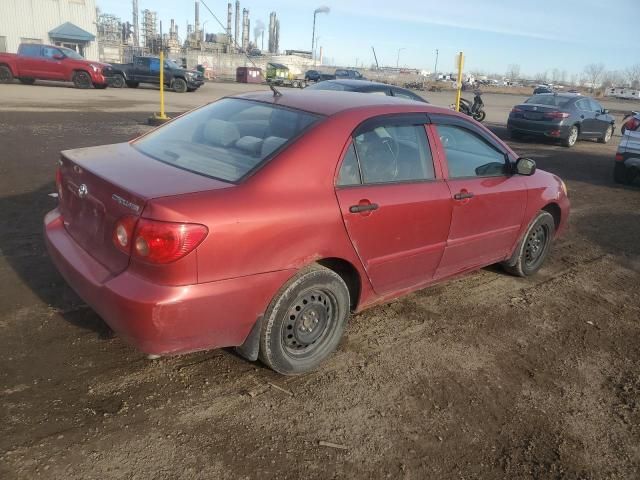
262 221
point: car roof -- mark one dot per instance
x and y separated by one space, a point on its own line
563 94
350 82
331 102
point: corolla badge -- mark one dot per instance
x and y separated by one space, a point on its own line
83 191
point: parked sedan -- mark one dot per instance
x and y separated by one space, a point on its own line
564 116
261 221
367 87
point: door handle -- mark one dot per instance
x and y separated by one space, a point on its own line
463 195
363 207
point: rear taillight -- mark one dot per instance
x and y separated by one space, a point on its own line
59 182
619 157
165 242
123 233
632 124
556 115
516 110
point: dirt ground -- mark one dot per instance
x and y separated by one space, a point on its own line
484 377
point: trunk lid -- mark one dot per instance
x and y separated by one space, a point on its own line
535 112
99 185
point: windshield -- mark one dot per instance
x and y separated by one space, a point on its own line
171 64
71 53
552 100
226 139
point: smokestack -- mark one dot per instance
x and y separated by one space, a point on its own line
136 37
172 28
197 23
272 31
245 29
236 43
276 43
229 15
320 59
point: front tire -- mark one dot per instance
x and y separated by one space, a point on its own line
132 84
5 74
607 135
117 81
305 321
571 140
534 247
179 85
82 80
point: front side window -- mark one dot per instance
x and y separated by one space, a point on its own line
71 53
394 153
468 155
49 52
595 106
226 139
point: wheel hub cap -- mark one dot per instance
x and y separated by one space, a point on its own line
535 244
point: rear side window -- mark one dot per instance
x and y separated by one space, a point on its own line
468 155
388 154
226 139
30 50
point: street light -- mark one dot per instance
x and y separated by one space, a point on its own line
398 59
323 9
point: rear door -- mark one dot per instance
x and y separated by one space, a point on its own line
142 69
487 202
395 205
29 60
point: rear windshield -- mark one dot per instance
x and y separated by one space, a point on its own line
552 100
328 86
226 139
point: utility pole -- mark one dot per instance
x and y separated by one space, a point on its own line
435 69
398 59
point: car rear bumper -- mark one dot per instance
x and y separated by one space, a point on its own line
161 319
538 128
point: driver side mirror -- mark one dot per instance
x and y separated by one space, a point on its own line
605 111
525 166
58 56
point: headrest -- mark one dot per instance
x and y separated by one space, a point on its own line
220 133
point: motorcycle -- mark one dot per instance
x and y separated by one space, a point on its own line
475 110
630 122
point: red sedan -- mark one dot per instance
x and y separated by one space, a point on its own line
262 221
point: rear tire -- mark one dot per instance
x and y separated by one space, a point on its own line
534 247
179 85
305 321
27 81
607 135
480 116
5 75
82 80
622 174
571 140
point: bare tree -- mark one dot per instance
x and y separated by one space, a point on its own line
632 75
612 78
593 74
541 77
513 72
555 75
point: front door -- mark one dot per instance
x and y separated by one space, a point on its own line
395 208
589 125
54 68
487 202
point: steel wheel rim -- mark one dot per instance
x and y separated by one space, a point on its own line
535 245
573 136
308 322
4 74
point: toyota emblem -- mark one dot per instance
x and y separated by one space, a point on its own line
83 191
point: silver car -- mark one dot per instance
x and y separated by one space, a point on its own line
627 165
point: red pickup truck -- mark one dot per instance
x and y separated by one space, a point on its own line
47 62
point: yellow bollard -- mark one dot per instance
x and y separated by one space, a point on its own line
158 119
459 92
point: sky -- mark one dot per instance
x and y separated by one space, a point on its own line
537 35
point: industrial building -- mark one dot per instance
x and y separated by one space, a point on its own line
98 35
67 23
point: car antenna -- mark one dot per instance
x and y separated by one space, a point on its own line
276 92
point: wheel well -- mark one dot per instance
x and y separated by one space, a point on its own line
79 70
348 273
555 212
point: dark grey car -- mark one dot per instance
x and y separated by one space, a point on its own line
564 116
367 87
